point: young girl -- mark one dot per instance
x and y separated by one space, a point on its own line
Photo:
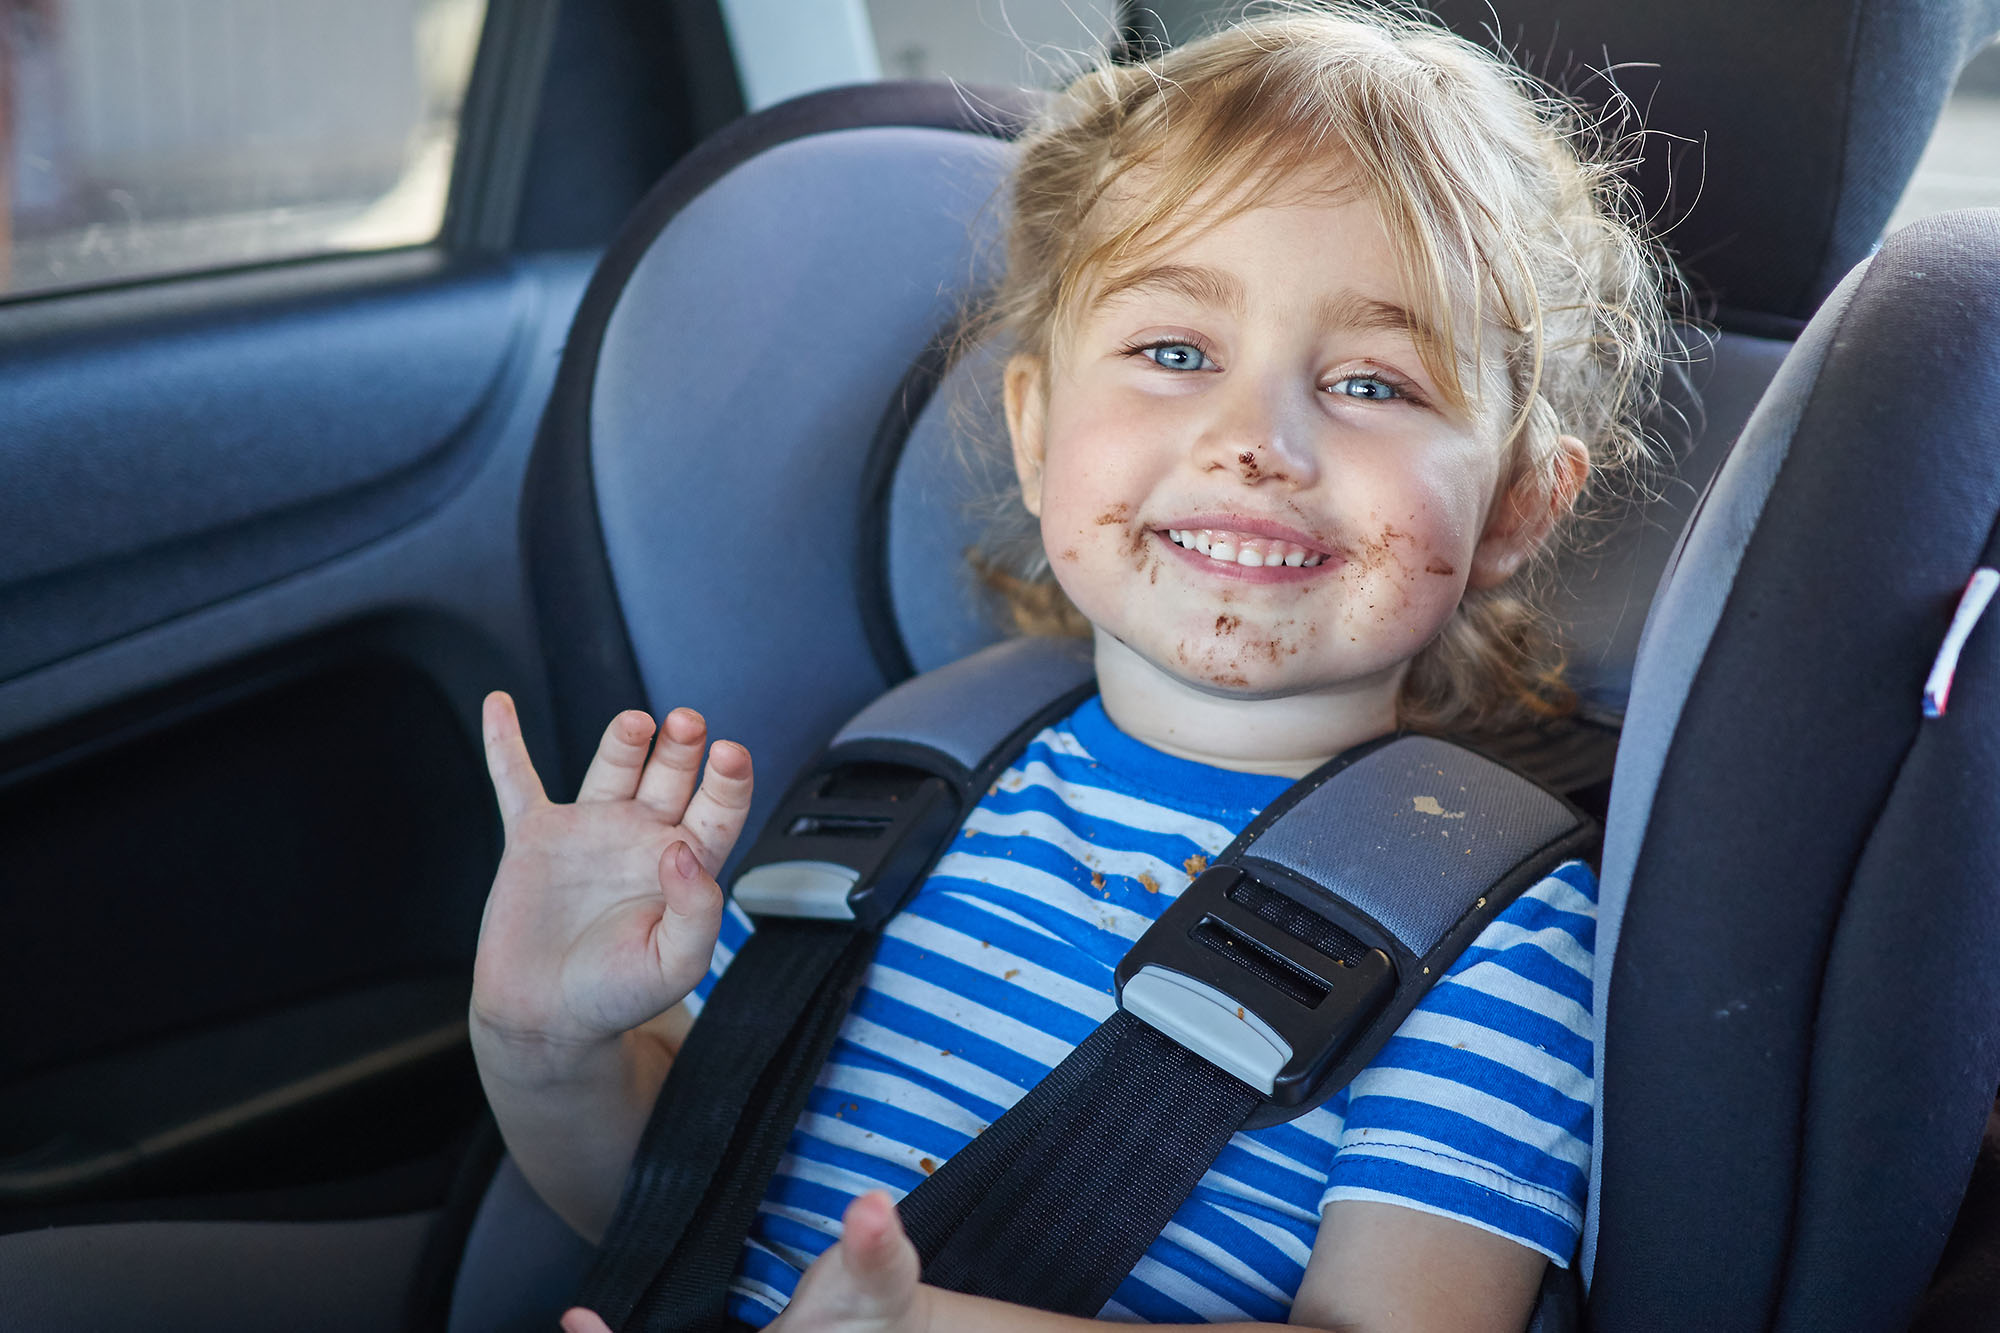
1317 327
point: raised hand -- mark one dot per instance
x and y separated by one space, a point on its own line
604 913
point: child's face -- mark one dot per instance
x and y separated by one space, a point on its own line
1254 390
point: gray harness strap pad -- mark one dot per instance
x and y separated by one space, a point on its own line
856 832
1293 958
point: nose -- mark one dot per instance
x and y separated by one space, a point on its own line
1261 432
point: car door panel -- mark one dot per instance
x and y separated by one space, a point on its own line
244 828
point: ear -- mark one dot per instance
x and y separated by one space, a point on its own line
1026 405
1525 515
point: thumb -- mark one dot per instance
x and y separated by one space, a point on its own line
876 1251
690 893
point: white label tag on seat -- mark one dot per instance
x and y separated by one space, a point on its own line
1971 605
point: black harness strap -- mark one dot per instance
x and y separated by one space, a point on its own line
695 1120
691 1292
853 836
1055 1216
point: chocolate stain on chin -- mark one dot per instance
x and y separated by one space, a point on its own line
1226 623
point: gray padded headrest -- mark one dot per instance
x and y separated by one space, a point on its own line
741 377
955 470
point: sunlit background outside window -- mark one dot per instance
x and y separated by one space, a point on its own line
142 138
145 137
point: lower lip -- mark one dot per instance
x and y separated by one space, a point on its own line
1235 573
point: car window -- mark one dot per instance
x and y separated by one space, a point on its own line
1961 167
1013 43
141 139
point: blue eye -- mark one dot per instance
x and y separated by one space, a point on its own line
1368 388
1177 356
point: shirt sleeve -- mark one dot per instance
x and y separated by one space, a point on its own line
735 930
1479 1108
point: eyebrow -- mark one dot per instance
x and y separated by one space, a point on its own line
1349 310
1207 286
1352 310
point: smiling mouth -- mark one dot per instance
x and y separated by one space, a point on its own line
1243 548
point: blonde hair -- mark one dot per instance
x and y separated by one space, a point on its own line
1501 219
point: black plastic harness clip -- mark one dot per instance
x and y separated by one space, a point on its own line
1255 983
849 844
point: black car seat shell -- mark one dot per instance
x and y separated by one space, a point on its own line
1799 1048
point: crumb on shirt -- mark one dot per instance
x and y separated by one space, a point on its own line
927 1164
1148 883
1195 864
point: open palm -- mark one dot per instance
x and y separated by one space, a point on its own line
604 912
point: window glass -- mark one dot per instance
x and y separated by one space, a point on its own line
1961 167
144 137
1013 43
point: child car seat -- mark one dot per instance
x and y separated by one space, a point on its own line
848 211
725 512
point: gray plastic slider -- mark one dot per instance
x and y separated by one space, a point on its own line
1209 1023
816 889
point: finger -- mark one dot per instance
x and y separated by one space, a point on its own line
715 816
580 1320
614 773
515 781
670 774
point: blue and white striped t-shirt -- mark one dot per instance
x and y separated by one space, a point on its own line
1478 1108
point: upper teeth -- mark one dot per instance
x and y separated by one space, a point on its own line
1240 548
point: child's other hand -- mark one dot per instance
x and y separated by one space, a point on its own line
603 913
867 1283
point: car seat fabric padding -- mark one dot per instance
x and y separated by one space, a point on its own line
748 361
1604 581
950 474
522 1262
211 1277
592 668
1720 1119
1677 633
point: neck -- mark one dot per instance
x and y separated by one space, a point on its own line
1290 735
